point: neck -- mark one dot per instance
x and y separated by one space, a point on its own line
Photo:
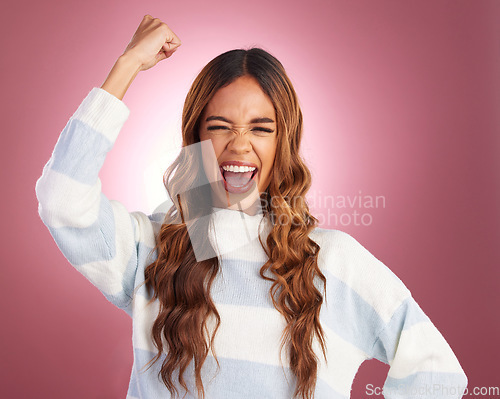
236 234
250 205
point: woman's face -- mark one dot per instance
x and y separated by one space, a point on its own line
240 121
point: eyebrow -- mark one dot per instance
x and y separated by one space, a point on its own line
254 120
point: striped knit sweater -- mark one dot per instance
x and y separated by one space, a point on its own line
367 312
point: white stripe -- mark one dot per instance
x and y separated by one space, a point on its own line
103 112
344 361
249 333
144 317
235 234
361 271
146 230
423 348
64 202
253 334
245 333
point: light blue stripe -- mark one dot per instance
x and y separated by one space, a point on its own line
235 379
80 152
132 276
408 314
157 217
239 283
348 314
146 256
96 243
428 385
133 386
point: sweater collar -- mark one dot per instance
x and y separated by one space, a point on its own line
230 230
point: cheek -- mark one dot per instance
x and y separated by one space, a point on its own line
267 154
210 162
216 144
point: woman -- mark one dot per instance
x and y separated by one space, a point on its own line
233 290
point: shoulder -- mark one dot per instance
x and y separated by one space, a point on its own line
147 226
343 247
328 237
348 262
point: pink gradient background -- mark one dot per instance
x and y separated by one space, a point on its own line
400 99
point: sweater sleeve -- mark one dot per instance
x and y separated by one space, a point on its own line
378 314
99 237
422 364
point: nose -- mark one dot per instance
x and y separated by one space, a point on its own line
239 143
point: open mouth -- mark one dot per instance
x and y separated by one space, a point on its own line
238 179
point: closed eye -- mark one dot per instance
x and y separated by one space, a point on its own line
217 128
264 129
255 129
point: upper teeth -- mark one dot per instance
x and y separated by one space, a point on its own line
235 168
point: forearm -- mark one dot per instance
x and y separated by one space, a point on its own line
121 76
68 190
422 362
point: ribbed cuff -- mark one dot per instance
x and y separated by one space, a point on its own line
103 112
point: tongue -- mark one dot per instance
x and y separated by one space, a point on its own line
237 179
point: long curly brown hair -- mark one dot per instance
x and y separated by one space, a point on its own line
182 284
